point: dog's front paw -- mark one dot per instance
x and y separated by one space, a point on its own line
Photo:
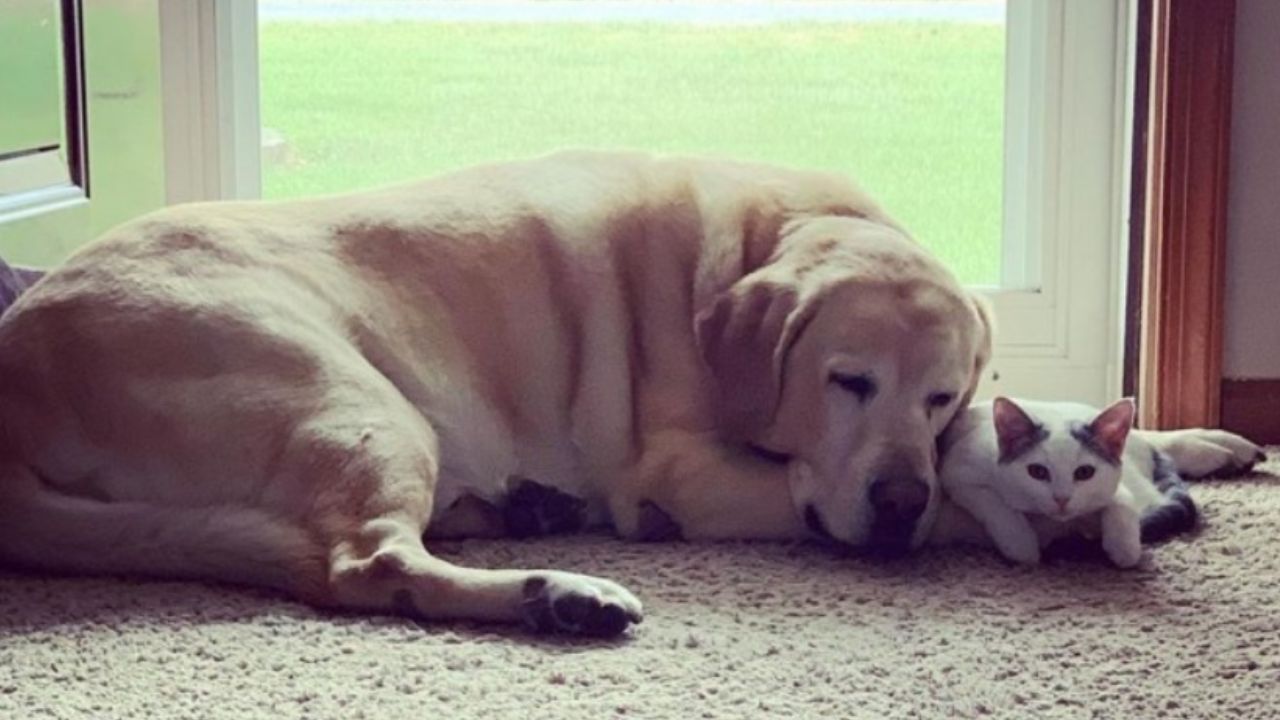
1243 453
1202 453
578 604
534 510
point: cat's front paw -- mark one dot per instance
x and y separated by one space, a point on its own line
1020 552
1122 532
1124 552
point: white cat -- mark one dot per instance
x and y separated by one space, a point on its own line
1031 472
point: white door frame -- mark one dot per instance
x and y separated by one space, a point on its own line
1067 145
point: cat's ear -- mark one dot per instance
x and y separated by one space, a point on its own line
1016 431
1111 427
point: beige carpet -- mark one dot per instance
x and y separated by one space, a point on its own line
733 631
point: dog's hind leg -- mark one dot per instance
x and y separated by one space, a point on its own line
338 523
45 529
383 565
372 490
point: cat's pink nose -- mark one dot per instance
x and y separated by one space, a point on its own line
1062 502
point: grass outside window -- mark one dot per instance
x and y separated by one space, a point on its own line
914 111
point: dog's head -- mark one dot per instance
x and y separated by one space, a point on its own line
849 352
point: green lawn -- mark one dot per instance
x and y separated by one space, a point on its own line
914 111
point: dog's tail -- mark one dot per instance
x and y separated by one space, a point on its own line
1178 513
44 529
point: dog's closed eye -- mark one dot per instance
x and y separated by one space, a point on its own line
860 385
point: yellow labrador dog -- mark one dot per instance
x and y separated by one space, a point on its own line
289 394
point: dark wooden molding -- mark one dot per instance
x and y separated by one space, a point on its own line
1184 243
76 120
1252 408
1136 251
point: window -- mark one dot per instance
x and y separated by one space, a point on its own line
994 132
908 102
80 123
41 152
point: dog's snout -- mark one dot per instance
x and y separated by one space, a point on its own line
897 504
899 500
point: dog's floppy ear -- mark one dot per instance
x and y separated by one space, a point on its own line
744 336
986 342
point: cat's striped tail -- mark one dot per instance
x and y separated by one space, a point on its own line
1178 513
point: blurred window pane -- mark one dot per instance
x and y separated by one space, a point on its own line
905 96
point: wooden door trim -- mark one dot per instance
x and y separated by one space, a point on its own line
1183 237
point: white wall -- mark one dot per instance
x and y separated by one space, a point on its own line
1253 208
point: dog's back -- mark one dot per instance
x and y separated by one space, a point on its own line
533 313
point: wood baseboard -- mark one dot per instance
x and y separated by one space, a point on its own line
1252 408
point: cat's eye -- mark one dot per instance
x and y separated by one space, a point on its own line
1038 471
941 399
1084 472
861 385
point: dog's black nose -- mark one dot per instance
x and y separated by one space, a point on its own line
896 504
898 501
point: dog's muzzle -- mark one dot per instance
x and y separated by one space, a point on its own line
897 504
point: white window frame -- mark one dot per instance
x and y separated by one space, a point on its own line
1068 77
212 126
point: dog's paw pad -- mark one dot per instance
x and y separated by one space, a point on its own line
1242 453
1247 465
580 605
1238 466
